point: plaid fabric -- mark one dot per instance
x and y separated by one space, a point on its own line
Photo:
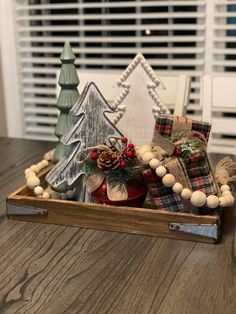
164 125
163 197
200 176
199 173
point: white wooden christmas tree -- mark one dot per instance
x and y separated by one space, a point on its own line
139 101
92 128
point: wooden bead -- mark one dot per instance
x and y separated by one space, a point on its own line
38 169
40 165
226 192
33 168
48 155
198 198
46 195
29 174
161 171
38 190
230 199
212 201
146 157
186 194
45 162
32 182
223 201
225 187
144 149
154 163
27 170
177 187
168 180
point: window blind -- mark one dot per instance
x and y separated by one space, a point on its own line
191 37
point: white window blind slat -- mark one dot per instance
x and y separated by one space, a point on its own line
124 16
174 36
134 50
116 4
105 39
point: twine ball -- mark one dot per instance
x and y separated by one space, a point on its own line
146 157
38 190
177 187
154 163
186 194
212 201
225 187
198 198
168 180
161 171
32 182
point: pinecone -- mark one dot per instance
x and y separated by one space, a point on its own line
108 160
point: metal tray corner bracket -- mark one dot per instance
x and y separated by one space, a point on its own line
205 230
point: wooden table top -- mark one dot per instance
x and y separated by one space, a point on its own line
55 269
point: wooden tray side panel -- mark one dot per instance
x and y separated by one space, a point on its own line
120 219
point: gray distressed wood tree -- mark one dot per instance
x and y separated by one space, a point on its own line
68 80
92 128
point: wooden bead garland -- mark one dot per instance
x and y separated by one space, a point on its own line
212 201
154 163
168 180
146 157
186 194
33 182
197 198
161 171
225 187
177 187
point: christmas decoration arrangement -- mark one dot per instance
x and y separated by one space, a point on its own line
114 174
168 170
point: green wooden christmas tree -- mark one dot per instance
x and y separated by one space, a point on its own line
68 81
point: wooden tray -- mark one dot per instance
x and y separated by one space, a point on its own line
22 205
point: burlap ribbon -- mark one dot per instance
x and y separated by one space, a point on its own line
176 167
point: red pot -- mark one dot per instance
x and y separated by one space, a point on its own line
137 191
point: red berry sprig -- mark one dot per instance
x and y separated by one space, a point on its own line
123 163
124 140
131 146
177 151
129 153
94 155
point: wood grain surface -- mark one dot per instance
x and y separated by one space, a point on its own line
55 269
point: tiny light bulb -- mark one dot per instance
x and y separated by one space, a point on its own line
147 32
